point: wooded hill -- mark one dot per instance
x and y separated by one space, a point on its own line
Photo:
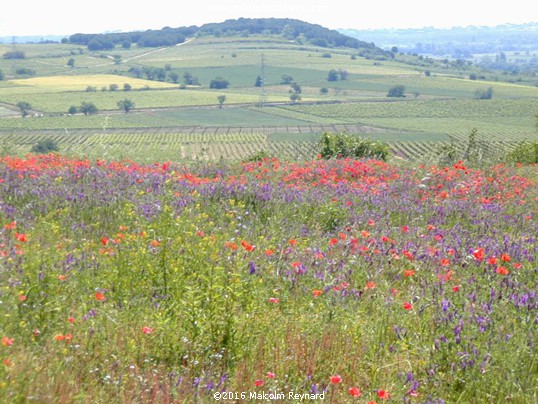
294 30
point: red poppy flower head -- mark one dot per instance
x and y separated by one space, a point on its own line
335 379
258 383
408 306
355 392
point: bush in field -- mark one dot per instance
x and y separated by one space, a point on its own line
526 153
342 145
258 156
45 146
396 91
219 83
482 94
24 107
14 55
88 108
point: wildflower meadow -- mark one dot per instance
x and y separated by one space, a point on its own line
321 281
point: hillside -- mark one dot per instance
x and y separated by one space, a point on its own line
290 29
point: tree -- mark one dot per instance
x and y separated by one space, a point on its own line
25 107
221 99
219 83
71 62
333 75
296 88
286 79
174 77
88 108
294 97
126 105
45 146
396 91
127 87
190 80
72 110
481 94
112 87
343 74
323 90
258 82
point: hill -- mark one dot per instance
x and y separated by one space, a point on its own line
290 29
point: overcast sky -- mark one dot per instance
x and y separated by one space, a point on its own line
66 17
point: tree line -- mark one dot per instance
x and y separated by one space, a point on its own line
290 29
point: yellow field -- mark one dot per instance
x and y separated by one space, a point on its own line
80 83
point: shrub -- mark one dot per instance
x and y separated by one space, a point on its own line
341 145
525 152
396 91
45 146
219 83
482 94
258 156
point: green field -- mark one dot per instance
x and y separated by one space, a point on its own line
437 107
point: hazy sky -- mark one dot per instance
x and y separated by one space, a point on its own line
65 17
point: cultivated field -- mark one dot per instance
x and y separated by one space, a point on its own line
438 106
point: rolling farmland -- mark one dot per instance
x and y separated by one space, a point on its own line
437 109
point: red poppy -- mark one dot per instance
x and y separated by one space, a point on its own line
445 262
22 298
71 320
355 392
370 285
505 258
275 300
502 270
492 260
247 246
382 394
104 240
456 288
408 306
7 341
270 375
100 296
335 379
409 272
478 254
269 252
258 383
317 292
147 330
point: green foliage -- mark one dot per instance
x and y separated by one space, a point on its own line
45 146
221 99
71 62
525 153
24 107
88 108
113 87
324 90
24 71
286 79
127 87
72 110
342 145
219 83
481 94
258 82
397 91
126 105
294 97
326 55
14 55
258 156
333 75
190 80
